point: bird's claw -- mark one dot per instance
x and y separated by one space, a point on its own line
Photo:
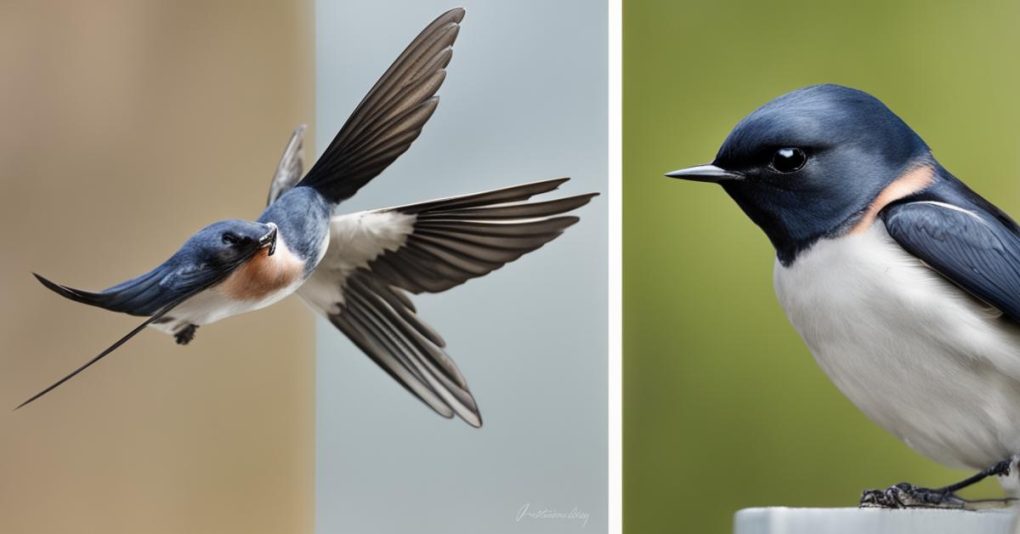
186 334
905 495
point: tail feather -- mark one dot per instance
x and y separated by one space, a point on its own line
60 290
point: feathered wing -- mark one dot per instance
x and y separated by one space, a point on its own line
173 281
976 252
374 257
291 166
391 115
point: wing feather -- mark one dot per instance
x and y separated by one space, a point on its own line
291 165
375 256
977 253
391 116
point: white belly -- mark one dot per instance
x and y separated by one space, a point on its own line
212 305
920 357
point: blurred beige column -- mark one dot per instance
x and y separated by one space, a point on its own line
124 127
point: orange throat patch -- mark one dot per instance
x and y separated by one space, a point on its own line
914 180
263 274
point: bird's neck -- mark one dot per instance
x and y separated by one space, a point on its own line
302 216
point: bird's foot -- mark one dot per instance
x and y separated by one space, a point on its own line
905 495
186 334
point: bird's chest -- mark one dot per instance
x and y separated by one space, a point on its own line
907 347
261 281
860 290
265 277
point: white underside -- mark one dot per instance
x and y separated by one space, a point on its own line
212 305
920 357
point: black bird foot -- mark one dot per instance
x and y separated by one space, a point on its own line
905 495
186 334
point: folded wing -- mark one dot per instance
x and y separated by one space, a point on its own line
374 257
976 252
171 282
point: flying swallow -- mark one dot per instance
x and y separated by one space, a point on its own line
356 269
902 281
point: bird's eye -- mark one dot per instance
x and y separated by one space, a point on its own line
230 239
787 160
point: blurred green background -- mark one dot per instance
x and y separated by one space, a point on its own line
724 407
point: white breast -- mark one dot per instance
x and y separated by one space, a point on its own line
920 357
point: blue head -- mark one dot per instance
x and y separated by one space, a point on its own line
807 164
227 243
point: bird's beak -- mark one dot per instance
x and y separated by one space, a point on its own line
705 173
269 240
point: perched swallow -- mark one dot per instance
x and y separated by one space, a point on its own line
903 282
353 268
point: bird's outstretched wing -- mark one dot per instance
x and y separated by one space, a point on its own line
153 294
375 256
390 116
976 252
291 166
